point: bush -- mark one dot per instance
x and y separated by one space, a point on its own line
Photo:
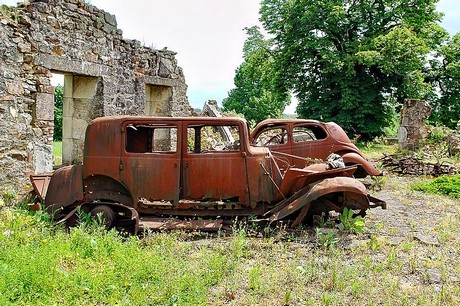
444 185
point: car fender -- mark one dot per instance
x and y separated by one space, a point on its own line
355 158
319 189
65 188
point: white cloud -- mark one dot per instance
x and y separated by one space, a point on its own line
207 35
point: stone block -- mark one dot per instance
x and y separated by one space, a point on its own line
44 106
14 88
79 129
43 158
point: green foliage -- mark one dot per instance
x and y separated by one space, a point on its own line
350 223
326 238
353 62
446 76
58 106
443 185
257 96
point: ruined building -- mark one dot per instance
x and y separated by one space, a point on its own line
104 75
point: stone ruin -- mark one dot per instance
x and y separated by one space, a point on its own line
412 128
104 74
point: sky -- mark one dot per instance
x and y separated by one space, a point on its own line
208 36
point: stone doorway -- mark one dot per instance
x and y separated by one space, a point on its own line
158 100
57 81
81 104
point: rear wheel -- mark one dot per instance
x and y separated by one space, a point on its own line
107 215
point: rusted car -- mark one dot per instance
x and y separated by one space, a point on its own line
151 168
296 141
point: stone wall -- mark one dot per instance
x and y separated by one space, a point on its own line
104 75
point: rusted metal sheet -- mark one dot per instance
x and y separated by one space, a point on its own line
171 223
65 188
301 138
40 183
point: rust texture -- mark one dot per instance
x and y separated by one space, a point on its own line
138 168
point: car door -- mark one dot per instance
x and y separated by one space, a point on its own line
213 165
150 161
276 138
310 140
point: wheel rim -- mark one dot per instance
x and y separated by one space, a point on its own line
107 215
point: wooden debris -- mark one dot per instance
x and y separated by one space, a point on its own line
410 165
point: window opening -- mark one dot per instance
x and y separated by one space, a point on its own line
308 133
151 139
272 137
209 138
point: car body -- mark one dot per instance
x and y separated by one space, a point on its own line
190 167
309 139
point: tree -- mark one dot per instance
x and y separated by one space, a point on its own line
446 77
58 105
257 95
353 61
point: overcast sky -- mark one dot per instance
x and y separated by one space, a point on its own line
207 35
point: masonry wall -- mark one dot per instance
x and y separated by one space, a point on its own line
105 75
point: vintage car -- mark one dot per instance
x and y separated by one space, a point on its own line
154 168
290 139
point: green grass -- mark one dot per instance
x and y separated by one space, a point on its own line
443 185
57 152
373 150
44 265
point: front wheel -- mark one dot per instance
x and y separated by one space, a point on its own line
107 215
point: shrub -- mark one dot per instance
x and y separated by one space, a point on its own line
444 185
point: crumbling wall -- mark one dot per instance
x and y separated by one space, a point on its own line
82 42
412 128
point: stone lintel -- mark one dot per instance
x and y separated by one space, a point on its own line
155 80
67 65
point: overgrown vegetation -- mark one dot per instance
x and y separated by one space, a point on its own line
41 264
443 185
44 265
381 261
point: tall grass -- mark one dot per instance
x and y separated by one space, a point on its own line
57 152
43 265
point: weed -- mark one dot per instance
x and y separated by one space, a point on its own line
254 279
8 199
378 182
287 297
350 223
326 239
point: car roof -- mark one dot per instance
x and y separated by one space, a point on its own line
121 118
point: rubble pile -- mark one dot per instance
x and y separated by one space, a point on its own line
409 165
